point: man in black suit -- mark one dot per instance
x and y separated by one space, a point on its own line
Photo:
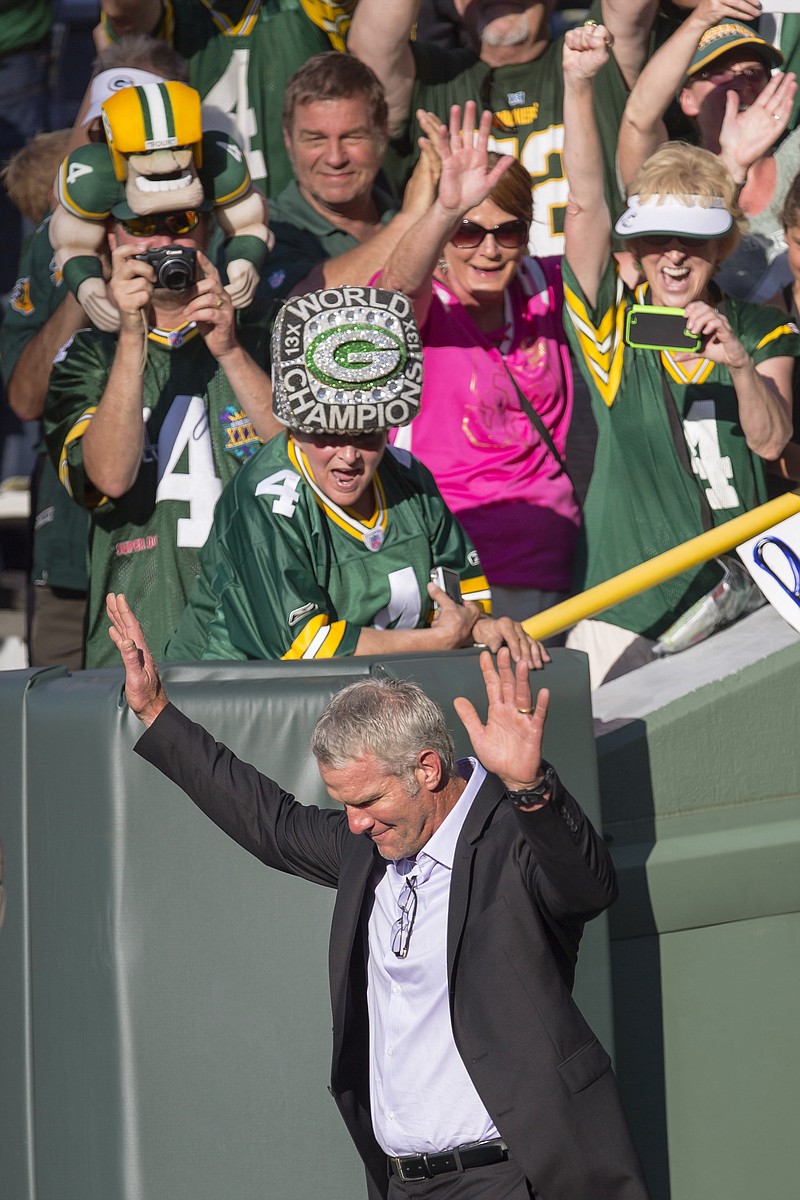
461 1065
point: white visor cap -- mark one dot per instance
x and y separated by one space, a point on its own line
687 216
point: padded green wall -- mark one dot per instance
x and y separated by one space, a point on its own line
701 800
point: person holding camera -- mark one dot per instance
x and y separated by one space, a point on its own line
147 425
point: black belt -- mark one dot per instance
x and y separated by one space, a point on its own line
424 1166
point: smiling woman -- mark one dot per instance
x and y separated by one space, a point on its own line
682 437
497 396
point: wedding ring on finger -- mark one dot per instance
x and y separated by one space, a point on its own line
220 302
526 712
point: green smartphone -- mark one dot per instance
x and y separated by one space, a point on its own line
648 327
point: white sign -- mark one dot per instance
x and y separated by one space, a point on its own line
773 559
781 6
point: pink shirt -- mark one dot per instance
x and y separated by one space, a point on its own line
492 467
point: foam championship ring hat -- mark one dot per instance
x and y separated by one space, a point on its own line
346 360
731 35
688 216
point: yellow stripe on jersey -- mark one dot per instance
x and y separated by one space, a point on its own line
237 191
478 591
789 327
174 338
685 373
345 518
601 344
317 639
241 28
76 432
332 17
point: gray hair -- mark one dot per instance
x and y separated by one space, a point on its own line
392 719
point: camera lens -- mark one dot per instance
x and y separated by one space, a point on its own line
176 274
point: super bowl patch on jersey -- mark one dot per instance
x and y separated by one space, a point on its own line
346 360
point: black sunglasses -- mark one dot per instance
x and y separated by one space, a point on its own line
175 223
511 235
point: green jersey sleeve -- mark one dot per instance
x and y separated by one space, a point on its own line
77 382
34 298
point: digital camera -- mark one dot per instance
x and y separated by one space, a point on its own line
175 266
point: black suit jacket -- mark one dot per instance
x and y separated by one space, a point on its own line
523 884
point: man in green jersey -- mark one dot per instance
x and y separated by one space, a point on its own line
325 542
145 427
514 69
241 54
42 314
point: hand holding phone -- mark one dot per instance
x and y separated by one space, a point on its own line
650 327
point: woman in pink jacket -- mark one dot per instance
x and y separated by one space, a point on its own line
497 396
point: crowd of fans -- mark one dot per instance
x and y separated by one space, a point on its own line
524 191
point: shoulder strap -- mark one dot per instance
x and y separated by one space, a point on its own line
536 421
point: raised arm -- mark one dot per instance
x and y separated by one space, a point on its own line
379 36
587 224
643 130
630 22
214 313
466 179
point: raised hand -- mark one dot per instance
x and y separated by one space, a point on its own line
747 135
466 177
586 50
510 743
143 690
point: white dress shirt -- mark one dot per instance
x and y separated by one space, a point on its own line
421 1096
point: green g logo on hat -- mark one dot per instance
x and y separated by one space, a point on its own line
346 360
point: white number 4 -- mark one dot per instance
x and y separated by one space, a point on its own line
282 484
186 428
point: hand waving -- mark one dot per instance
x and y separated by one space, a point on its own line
466 177
510 743
143 691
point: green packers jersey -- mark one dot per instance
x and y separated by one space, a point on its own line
34 297
60 527
241 67
288 574
146 543
641 501
527 101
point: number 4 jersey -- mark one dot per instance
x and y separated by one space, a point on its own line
145 544
641 500
288 574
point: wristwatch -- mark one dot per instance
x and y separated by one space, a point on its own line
527 797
